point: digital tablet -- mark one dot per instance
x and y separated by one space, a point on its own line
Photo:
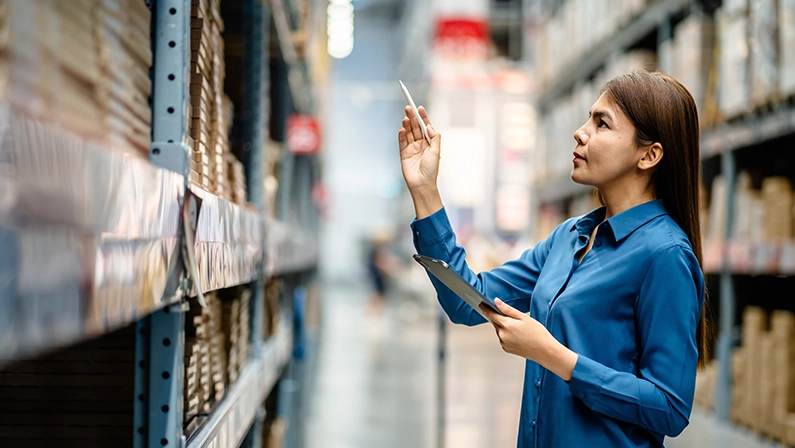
456 283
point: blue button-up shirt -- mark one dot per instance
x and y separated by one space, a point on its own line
630 311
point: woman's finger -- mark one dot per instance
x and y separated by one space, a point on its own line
415 125
493 317
424 115
508 310
407 127
402 142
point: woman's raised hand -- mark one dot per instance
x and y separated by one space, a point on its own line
420 162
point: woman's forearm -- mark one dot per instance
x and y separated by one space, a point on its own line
427 201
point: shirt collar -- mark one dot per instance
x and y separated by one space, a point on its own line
623 223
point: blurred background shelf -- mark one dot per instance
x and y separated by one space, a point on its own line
751 130
648 20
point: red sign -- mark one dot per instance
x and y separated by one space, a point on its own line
303 134
462 38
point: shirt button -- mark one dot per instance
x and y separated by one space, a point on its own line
417 233
582 396
538 383
533 425
597 243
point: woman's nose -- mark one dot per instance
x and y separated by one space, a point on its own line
581 137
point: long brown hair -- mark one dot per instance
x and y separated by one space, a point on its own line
663 111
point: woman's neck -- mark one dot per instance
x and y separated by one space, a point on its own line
618 200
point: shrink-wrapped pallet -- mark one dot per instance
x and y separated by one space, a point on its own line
786 42
764 51
733 95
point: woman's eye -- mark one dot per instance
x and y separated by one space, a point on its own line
602 124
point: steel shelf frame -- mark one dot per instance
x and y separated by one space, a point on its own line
161 337
160 348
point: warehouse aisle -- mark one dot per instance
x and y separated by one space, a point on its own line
376 382
377 379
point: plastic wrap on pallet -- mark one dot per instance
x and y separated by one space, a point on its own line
86 236
764 52
733 95
228 243
289 250
786 42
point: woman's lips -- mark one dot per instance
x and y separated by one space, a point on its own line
578 157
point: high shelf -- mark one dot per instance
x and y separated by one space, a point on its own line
143 272
734 59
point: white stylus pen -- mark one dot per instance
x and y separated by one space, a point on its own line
416 112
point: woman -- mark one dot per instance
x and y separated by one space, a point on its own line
616 325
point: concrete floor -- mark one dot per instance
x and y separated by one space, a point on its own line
376 383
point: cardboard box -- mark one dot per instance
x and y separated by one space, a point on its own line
733 96
786 42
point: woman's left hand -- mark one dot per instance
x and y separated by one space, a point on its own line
521 335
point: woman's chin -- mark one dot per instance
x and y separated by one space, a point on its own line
578 178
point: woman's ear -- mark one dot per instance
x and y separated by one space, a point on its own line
651 156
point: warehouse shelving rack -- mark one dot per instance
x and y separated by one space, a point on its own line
724 259
162 236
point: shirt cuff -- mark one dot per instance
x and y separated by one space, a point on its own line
431 230
587 379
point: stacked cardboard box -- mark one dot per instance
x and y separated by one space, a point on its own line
237 177
125 57
691 58
786 42
273 292
78 102
218 358
777 205
196 364
205 361
733 96
748 210
763 47
211 109
95 82
763 384
705 385
236 327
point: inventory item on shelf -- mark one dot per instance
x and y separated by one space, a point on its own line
213 167
95 83
762 374
692 59
763 54
733 98
786 41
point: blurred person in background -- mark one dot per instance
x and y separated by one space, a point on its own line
616 326
382 266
